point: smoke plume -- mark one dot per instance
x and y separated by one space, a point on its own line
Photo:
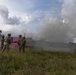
61 30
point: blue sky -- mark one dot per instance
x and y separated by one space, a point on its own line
33 5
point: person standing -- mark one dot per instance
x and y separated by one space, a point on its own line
2 42
23 44
7 42
20 43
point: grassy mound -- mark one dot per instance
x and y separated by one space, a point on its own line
37 62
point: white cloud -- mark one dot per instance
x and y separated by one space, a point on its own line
7 22
5 27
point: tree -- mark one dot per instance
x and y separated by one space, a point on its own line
0 34
0 31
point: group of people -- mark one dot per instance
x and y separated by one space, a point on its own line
21 43
6 41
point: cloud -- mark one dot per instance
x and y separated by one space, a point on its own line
13 24
4 13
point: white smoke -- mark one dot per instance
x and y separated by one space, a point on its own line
56 30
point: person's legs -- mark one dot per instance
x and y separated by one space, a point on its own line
23 48
19 48
7 47
4 48
1 46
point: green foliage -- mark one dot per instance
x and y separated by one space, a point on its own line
37 62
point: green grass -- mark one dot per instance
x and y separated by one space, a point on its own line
37 62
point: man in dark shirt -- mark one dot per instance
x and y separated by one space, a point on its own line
2 42
23 43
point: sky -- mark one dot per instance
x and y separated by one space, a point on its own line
52 20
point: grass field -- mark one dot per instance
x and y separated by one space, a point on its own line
37 62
